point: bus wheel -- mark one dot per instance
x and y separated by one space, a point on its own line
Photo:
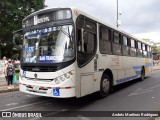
142 74
105 86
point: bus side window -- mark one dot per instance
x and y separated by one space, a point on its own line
133 48
125 46
116 45
105 40
79 34
89 42
149 51
86 40
144 47
139 49
85 44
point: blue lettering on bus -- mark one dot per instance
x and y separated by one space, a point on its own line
52 58
30 49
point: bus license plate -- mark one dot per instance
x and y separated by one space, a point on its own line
35 88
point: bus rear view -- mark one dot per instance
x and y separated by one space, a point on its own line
48 59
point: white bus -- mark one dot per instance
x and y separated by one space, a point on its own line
69 53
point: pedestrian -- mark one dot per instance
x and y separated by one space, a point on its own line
16 61
5 64
10 71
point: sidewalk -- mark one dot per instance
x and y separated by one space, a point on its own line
156 68
4 86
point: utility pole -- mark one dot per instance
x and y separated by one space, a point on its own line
117 14
118 22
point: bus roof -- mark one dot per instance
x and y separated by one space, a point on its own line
110 26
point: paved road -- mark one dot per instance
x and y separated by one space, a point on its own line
133 96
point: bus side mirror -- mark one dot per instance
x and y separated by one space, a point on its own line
17 37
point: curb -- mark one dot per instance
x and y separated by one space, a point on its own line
9 90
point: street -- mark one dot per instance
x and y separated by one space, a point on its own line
132 96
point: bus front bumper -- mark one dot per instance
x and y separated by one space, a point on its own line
57 92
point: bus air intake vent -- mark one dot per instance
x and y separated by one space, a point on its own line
40 68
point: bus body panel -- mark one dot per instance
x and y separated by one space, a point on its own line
148 66
86 77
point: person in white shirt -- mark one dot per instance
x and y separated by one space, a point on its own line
5 64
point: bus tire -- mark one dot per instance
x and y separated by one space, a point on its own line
105 86
142 75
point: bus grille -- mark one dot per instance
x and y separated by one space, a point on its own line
40 68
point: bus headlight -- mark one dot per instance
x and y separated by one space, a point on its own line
57 81
63 77
21 77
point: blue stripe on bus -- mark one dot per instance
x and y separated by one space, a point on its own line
137 70
136 67
126 79
148 64
139 67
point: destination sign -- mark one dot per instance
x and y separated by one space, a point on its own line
42 17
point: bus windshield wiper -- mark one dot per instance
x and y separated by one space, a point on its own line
62 30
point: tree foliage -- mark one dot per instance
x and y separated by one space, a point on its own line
12 12
155 46
155 49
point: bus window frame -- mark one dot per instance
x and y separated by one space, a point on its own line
116 43
78 39
108 41
131 47
125 45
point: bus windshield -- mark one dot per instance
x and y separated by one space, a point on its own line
49 45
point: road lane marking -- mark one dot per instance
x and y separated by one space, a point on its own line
154 86
24 105
11 104
36 118
82 118
29 95
142 91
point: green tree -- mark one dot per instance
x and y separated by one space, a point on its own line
149 41
12 12
155 48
